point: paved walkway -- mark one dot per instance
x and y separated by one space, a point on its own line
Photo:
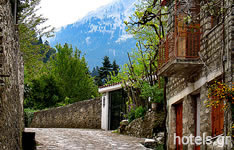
83 139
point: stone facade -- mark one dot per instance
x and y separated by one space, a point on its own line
11 81
84 114
146 126
216 53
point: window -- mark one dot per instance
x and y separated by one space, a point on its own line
215 12
217 120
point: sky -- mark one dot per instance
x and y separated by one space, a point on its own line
63 12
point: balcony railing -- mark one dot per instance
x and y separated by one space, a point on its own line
184 45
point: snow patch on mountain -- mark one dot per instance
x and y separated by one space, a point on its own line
101 32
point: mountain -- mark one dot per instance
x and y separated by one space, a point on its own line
101 33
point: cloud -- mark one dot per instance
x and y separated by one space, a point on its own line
124 37
63 12
87 40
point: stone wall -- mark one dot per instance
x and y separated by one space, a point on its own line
11 81
146 126
84 114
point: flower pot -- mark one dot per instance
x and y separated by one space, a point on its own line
154 106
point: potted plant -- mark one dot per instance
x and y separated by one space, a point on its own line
153 93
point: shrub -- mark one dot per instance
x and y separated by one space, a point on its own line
140 112
28 116
159 147
154 92
43 92
131 115
136 113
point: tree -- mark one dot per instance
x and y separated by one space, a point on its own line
43 92
49 52
115 67
95 71
72 74
105 70
31 31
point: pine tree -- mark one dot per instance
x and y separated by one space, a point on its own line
105 70
95 71
115 67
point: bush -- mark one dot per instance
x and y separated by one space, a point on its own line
154 92
159 147
136 113
131 115
43 92
28 116
140 112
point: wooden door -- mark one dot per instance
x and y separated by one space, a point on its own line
179 125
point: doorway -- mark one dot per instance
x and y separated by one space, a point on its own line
117 108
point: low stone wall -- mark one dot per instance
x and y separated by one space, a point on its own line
146 126
84 114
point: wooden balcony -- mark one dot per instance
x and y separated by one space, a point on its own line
178 53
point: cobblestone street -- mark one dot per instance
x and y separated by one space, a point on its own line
83 139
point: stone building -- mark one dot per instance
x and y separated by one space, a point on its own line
193 56
11 79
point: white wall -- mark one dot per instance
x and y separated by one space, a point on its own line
105 112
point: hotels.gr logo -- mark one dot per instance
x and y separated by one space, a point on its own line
198 140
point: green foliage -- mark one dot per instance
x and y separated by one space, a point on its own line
72 74
48 80
63 80
115 67
131 115
147 27
136 113
28 116
104 73
105 70
31 29
43 92
113 78
140 112
28 15
159 147
154 92
115 131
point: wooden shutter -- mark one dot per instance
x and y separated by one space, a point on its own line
179 125
221 119
217 120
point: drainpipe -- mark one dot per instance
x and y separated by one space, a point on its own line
224 58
